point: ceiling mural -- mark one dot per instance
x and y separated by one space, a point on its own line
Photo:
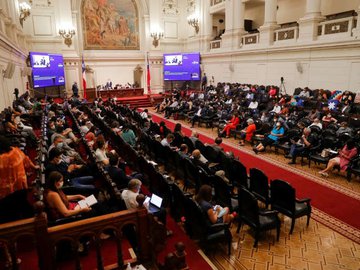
110 25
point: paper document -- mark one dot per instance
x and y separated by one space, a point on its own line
87 202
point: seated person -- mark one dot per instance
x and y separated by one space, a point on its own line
253 106
101 152
12 127
184 151
316 123
203 198
277 108
276 133
117 174
59 204
201 161
130 194
67 133
13 167
74 175
217 144
68 153
248 132
178 135
344 128
168 140
128 135
297 147
327 119
345 155
144 114
230 125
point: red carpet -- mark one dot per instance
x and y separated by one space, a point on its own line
193 259
139 97
332 202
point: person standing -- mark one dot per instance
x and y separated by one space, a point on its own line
204 82
75 89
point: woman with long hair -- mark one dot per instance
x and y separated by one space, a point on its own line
216 214
61 205
345 155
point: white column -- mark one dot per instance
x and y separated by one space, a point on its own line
206 24
356 31
239 16
229 15
309 23
270 24
234 24
270 12
313 8
227 37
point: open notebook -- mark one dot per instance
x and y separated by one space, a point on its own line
87 202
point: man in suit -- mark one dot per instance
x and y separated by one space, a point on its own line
117 174
108 84
204 82
75 89
199 113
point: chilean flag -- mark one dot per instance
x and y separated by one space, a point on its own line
83 76
148 78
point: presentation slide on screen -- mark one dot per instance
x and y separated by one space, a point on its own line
47 69
182 67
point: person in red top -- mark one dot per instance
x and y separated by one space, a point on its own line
248 132
231 124
345 155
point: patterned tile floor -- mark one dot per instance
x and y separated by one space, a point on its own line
308 248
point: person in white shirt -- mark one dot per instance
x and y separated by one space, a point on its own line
129 195
168 140
253 105
316 123
144 114
277 108
100 153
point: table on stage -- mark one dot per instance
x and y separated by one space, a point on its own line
118 93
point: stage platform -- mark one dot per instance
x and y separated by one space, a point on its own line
141 101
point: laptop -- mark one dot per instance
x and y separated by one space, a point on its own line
154 203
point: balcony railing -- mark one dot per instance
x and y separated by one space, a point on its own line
341 27
250 39
283 34
215 44
215 2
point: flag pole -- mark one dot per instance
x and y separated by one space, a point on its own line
148 78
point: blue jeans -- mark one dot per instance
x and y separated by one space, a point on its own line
83 182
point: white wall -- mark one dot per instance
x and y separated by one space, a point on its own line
328 68
336 6
296 8
255 13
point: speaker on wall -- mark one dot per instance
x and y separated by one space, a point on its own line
9 71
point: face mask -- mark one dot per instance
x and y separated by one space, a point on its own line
60 184
278 124
60 145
